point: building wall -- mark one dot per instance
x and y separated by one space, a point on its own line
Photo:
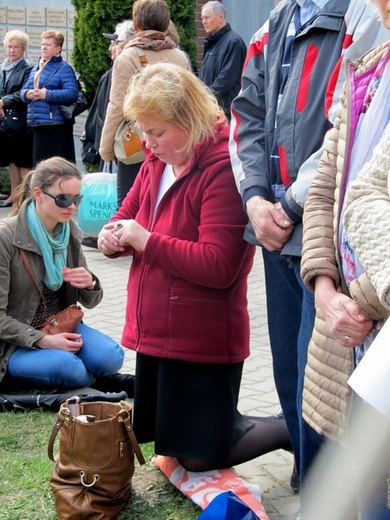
244 22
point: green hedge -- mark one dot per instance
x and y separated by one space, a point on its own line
5 186
93 17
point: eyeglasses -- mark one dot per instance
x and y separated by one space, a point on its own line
64 201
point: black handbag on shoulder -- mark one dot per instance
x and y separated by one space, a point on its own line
80 105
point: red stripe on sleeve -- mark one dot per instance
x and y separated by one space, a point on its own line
303 92
330 90
283 167
256 48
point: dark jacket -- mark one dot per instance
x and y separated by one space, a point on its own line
344 29
62 89
97 112
223 59
19 298
187 289
10 88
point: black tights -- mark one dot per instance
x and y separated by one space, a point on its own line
268 434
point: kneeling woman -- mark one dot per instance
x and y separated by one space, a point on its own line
43 227
187 315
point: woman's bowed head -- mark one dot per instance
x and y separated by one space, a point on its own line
175 112
176 97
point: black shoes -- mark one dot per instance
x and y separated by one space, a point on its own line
5 204
294 480
116 383
90 242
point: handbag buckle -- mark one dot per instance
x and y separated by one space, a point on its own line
95 477
129 131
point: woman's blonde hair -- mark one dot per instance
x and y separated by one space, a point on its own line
20 36
45 174
173 33
177 96
57 36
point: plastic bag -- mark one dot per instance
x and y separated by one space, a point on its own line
227 506
99 202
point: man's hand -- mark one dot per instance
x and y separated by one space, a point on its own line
270 223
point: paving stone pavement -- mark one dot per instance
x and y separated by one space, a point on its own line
272 471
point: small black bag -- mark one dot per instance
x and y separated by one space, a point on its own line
80 105
13 122
89 154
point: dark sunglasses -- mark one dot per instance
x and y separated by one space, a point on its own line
64 201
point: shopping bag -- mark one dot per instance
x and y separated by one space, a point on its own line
99 202
227 506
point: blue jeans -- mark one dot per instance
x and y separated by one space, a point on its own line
291 313
376 506
100 355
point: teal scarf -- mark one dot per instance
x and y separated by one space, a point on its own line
54 250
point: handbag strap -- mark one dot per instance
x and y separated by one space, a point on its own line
56 428
51 75
130 432
141 55
28 268
32 277
124 418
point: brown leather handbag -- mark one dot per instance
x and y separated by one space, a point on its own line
95 460
63 321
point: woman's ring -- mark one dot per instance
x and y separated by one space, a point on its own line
346 339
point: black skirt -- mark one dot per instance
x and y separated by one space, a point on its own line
53 140
188 409
16 148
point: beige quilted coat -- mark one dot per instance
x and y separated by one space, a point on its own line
367 218
326 393
126 65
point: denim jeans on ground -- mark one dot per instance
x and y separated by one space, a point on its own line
100 355
291 312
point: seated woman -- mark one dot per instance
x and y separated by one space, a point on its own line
187 313
43 227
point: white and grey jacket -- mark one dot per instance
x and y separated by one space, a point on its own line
343 29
